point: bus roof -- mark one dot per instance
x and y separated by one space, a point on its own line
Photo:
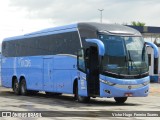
99 27
110 28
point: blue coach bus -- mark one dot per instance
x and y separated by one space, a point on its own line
84 59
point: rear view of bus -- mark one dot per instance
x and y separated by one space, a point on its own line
120 63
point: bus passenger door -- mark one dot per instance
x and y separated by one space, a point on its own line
48 83
89 72
92 63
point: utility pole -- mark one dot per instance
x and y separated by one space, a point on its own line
101 10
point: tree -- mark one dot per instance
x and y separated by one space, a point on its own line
134 23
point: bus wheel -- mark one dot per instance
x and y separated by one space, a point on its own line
16 87
81 99
120 99
23 87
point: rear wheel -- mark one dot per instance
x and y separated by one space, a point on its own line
16 87
120 99
23 87
81 99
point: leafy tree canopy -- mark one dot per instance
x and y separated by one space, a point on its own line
134 23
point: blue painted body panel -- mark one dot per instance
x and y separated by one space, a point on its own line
57 74
115 91
82 84
120 92
49 73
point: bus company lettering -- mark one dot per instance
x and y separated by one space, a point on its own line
24 62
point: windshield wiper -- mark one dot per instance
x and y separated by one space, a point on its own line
122 69
130 59
132 63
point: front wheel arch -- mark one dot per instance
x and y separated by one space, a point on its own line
75 84
81 99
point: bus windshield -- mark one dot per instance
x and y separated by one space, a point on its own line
124 55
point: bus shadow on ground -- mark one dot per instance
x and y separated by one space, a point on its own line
64 100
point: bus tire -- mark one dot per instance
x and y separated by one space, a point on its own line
120 99
23 87
16 89
81 99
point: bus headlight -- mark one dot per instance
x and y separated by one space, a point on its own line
107 82
145 83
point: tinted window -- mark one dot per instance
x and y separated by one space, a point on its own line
64 43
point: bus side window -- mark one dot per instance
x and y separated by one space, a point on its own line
81 61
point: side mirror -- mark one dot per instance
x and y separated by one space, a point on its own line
100 46
99 43
155 48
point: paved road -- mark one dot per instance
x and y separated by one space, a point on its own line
42 102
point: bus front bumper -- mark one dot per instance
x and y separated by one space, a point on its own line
124 90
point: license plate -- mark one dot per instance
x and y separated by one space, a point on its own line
128 94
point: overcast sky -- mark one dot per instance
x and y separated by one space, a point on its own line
23 16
